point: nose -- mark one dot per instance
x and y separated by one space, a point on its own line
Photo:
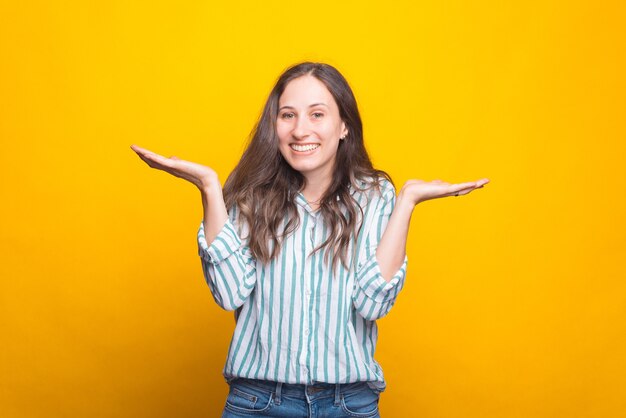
301 129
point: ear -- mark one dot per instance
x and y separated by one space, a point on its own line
344 130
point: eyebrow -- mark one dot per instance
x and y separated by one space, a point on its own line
313 105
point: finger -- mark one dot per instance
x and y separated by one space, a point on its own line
150 160
459 192
144 152
465 191
149 154
157 161
139 149
482 182
453 188
147 161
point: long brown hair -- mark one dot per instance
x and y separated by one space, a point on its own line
263 185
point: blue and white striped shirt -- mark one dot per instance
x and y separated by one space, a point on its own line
299 321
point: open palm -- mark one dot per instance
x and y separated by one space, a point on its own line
200 175
417 191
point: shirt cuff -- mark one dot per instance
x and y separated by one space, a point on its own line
371 280
225 243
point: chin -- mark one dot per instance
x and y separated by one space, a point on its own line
301 169
300 165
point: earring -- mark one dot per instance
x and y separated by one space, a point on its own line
342 138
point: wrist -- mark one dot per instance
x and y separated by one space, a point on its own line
210 187
211 192
406 197
404 205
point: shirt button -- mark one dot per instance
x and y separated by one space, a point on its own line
306 332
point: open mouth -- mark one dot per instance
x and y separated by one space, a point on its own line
304 148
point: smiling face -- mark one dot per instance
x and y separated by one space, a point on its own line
309 128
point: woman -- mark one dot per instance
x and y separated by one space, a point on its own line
306 242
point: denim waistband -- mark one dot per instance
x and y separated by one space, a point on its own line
302 391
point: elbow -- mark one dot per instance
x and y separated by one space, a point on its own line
370 317
226 300
229 292
228 307
388 273
371 309
232 305
375 312
221 296
392 270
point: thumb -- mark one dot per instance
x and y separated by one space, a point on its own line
173 157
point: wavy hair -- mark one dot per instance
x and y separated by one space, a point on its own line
264 186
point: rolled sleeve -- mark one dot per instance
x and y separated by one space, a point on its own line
372 283
225 243
374 296
228 265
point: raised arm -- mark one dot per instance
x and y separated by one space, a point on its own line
376 284
392 248
227 263
380 278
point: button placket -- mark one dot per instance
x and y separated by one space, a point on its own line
306 301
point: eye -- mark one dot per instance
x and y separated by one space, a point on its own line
318 113
287 115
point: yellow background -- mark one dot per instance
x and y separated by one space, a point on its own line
515 302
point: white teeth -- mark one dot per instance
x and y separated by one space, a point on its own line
304 147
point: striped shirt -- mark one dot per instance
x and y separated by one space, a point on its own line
298 321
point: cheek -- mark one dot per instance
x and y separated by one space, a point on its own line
330 131
282 130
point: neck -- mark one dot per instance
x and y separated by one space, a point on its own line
315 187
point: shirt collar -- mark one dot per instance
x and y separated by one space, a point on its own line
301 200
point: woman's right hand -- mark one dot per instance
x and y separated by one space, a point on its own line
201 176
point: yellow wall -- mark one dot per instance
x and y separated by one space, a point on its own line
515 304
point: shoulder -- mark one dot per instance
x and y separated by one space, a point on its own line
381 188
375 194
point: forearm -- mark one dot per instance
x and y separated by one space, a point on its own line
215 213
228 265
391 249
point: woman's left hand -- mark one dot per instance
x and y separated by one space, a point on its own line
416 191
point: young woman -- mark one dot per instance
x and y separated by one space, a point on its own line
306 243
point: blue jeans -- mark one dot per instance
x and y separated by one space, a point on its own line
261 398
